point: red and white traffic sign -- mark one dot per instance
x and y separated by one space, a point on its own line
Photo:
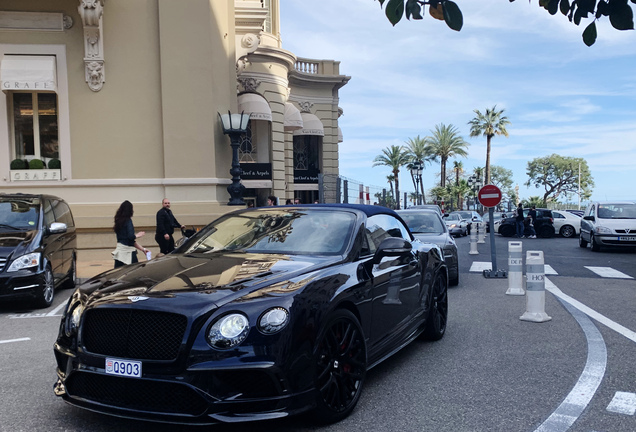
489 195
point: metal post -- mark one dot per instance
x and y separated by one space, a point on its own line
495 272
345 196
535 286
236 188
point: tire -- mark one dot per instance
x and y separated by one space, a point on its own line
546 231
506 230
594 245
455 280
45 292
340 366
71 280
582 243
435 326
567 231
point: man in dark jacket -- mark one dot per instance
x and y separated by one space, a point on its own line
519 217
166 223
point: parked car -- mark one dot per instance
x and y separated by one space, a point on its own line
469 216
543 224
264 313
497 218
37 247
433 207
427 226
609 223
566 223
456 225
579 213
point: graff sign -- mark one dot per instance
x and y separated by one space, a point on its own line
35 175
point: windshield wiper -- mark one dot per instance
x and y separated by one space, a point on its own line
9 226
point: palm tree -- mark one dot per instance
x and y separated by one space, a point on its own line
418 151
446 142
390 179
458 167
395 158
489 124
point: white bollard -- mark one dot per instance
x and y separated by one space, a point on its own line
535 288
481 233
515 268
473 242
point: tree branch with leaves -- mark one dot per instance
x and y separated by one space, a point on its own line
558 175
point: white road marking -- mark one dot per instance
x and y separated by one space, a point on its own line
623 403
549 270
57 309
34 315
14 340
608 272
583 391
629 334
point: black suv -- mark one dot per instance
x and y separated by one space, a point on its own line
543 225
37 247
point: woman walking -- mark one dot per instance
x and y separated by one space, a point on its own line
126 250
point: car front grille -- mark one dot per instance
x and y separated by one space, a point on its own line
133 333
136 394
624 231
3 263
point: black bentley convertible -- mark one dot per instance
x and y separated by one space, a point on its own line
264 313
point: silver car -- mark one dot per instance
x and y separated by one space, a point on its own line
426 225
609 223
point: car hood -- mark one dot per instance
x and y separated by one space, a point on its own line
617 224
440 240
215 278
16 241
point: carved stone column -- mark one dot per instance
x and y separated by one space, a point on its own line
91 12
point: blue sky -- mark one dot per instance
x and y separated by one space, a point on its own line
560 95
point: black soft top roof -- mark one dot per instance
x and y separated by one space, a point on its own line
369 210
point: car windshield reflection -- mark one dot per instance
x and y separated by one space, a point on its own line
19 214
423 223
617 211
294 232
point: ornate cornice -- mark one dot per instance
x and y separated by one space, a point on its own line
91 12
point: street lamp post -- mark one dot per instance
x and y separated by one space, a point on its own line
235 125
475 183
416 172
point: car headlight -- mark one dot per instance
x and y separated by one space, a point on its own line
602 230
273 320
453 226
228 331
25 261
73 319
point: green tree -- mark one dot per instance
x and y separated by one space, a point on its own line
417 150
560 175
501 177
533 201
489 124
461 190
620 14
390 179
395 158
446 142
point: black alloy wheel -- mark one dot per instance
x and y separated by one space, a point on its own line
437 311
46 291
506 230
582 243
340 366
567 231
546 231
454 281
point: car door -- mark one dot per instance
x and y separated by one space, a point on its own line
586 224
396 283
52 243
68 239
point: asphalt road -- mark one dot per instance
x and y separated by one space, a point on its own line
491 372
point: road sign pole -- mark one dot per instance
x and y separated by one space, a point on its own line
490 196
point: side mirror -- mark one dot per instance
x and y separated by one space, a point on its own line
590 218
57 228
392 246
445 215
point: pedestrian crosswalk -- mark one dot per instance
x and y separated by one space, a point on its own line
623 403
606 272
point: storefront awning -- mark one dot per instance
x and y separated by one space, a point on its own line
293 119
311 126
340 138
255 105
31 73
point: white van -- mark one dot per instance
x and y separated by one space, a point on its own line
609 223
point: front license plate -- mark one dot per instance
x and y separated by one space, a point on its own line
129 368
628 238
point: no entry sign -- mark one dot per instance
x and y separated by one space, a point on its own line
489 195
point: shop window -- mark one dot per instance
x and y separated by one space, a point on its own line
307 152
34 125
247 150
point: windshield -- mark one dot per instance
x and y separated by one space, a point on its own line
453 217
420 223
19 214
617 211
294 232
